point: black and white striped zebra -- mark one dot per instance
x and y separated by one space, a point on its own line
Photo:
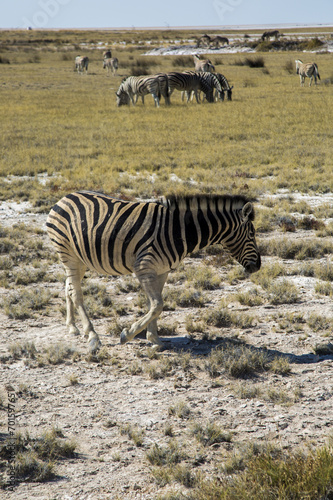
192 81
111 64
115 237
203 65
307 69
225 87
138 86
107 54
81 63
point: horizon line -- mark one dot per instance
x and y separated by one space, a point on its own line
174 28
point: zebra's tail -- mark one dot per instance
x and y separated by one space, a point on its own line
316 70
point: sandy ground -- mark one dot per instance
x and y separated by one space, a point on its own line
121 390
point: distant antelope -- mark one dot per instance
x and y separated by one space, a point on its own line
81 64
270 34
307 69
111 64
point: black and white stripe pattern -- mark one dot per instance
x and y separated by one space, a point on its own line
134 86
111 64
309 70
191 81
203 65
115 237
107 54
225 86
81 64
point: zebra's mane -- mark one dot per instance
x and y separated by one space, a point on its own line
236 201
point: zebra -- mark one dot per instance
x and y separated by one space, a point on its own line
138 85
191 81
307 69
204 40
111 64
225 87
164 89
81 63
270 34
203 65
115 237
107 54
217 41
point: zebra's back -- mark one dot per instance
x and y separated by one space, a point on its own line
104 233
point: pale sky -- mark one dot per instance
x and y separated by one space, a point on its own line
165 13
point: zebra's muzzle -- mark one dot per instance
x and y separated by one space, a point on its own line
253 266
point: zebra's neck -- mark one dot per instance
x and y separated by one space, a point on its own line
201 221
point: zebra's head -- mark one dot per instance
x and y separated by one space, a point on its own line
229 93
122 97
242 242
298 62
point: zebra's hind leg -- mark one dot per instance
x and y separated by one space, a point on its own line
153 286
157 101
74 300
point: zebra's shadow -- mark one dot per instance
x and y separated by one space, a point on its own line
205 347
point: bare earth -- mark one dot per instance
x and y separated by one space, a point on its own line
114 393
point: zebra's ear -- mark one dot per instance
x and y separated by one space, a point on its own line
247 211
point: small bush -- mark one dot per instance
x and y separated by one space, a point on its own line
133 432
237 361
166 455
210 434
183 61
257 62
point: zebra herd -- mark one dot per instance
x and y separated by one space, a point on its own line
163 84
203 79
109 62
114 237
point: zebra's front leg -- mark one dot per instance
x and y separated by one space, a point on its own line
195 92
153 286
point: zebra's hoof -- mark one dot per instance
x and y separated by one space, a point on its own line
154 339
73 330
123 336
94 345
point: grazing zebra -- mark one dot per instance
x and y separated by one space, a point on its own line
111 64
270 34
217 41
164 89
107 54
225 87
140 86
191 81
204 40
307 69
203 65
81 64
115 237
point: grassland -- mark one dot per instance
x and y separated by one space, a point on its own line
249 343
272 135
